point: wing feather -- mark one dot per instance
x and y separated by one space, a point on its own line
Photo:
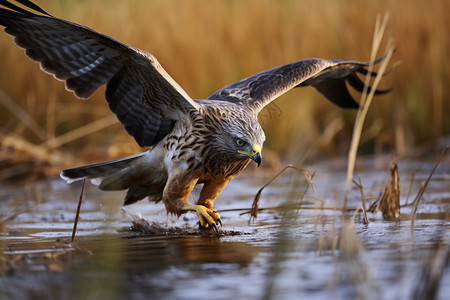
328 77
139 91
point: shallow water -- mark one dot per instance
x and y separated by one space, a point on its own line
283 254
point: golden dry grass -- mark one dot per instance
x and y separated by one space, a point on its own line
205 45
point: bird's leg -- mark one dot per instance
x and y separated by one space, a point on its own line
176 195
211 189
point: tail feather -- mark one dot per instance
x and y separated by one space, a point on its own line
97 170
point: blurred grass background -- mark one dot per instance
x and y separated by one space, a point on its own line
205 45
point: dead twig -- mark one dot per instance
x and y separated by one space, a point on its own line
363 199
254 210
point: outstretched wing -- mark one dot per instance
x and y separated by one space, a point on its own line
328 77
139 91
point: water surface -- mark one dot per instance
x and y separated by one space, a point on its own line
284 254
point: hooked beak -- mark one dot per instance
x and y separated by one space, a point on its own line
255 155
257 158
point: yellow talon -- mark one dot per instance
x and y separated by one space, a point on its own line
207 217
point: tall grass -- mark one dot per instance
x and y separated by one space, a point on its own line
366 99
205 45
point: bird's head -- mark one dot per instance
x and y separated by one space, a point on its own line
248 149
240 136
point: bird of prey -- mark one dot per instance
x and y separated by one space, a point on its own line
191 142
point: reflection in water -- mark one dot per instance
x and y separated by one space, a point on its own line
157 266
111 267
150 253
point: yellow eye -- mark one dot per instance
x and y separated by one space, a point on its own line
239 142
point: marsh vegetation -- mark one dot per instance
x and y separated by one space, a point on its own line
385 236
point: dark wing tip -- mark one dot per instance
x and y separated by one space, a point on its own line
374 74
336 91
356 83
334 87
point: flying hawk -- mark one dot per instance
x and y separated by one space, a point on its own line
192 141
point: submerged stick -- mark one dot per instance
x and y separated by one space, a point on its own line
78 211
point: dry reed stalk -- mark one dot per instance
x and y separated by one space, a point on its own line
254 210
424 186
366 99
75 223
389 201
363 200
